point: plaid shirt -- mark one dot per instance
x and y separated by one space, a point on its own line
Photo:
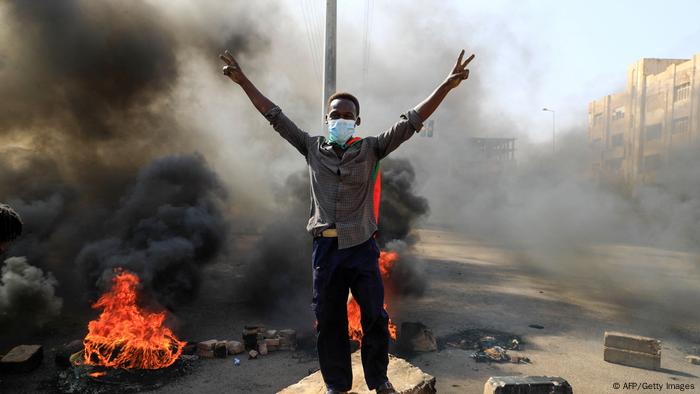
342 187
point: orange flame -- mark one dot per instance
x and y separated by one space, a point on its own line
126 336
386 265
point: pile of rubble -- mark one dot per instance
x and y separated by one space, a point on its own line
256 340
490 350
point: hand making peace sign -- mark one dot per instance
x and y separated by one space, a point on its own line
459 72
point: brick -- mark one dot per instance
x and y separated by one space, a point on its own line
207 345
527 384
270 334
262 348
253 354
632 359
272 344
633 343
205 353
22 358
234 347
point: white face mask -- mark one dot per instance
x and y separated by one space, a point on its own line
340 130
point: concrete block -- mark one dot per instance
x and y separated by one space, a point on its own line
234 347
262 348
207 345
527 385
22 358
632 359
272 344
270 334
406 378
633 343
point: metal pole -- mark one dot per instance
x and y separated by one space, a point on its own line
329 50
554 122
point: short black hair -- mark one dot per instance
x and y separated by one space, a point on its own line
346 96
10 224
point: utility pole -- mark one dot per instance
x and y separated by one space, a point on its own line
554 125
329 50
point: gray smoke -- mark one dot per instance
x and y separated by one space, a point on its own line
27 296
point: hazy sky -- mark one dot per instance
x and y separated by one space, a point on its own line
558 54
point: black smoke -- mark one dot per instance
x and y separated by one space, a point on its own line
167 226
94 154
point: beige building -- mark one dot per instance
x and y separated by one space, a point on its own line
633 132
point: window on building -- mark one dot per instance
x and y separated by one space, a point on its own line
652 162
681 92
618 113
613 165
617 140
597 119
653 132
681 125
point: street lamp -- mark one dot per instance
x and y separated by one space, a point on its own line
553 124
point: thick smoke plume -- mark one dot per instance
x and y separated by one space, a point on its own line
27 296
92 105
165 229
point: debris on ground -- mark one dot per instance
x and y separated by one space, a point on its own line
416 337
63 353
536 326
632 350
527 384
693 359
488 345
497 354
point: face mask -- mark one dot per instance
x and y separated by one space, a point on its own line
340 131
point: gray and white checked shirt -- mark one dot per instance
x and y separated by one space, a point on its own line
342 188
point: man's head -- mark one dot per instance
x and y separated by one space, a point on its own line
10 226
343 105
343 116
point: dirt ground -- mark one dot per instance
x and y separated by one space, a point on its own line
472 285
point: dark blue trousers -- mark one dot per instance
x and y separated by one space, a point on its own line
334 272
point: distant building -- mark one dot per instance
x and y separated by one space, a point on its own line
634 132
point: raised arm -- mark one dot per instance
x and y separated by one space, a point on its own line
412 121
279 121
234 71
459 73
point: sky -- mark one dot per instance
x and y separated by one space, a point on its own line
534 54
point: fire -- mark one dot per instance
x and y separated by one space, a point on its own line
126 336
386 265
